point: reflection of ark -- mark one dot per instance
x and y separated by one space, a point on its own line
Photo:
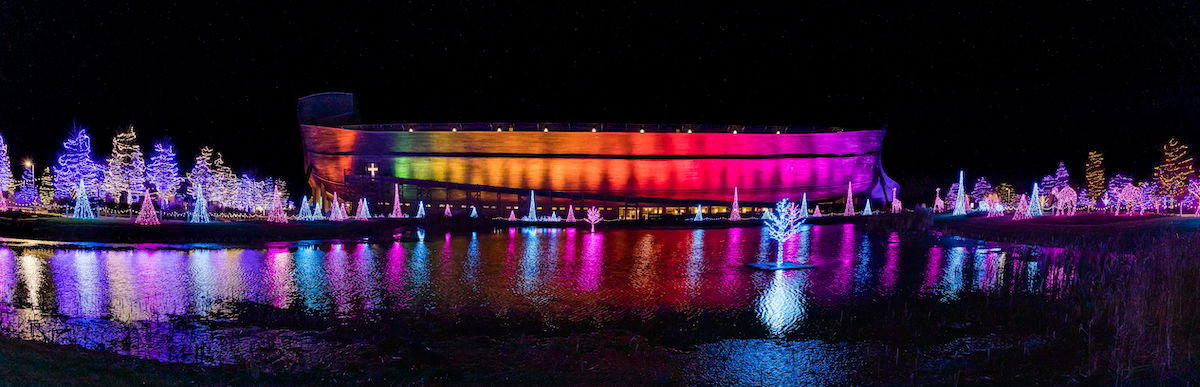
668 162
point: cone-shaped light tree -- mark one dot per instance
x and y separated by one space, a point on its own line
447 212
147 215
804 204
1035 202
532 216
699 214
849 211
735 210
867 208
276 214
83 206
337 211
420 209
397 209
200 207
571 213
781 224
317 213
474 212
960 199
593 217
816 211
512 215
364 213
305 210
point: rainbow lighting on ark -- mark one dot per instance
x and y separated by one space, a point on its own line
627 170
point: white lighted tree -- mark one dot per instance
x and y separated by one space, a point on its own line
782 223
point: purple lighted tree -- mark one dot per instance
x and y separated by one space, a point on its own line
447 212
147 215
849 211
276 214
571 214
75 165
397 210
163 171
6 175
337 211
593 217
27 193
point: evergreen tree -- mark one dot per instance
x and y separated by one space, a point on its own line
200 207
75 164
1176 168
981 190
125 173
201 175
224 180
6 174
1062 179
1094 172
163 171
45 189
1007 194
27 193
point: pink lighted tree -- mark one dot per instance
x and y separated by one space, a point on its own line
593 217
571 214
275 214
397 209
147 216
735 211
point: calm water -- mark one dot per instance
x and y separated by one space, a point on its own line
204 304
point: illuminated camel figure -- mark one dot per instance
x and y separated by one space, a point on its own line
1064 201
1130 196
939 205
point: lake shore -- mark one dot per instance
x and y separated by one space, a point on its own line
1125 232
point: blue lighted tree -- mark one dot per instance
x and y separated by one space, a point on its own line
1035 202
699 215
27 192
6 175
474 212
420 209
532 216
804 205
960 199
163 171
200 209
83 206
75 164
867 208
305 210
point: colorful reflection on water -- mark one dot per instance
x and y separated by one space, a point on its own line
96 296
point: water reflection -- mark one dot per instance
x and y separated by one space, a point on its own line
557 276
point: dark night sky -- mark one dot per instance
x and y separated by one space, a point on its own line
1005 91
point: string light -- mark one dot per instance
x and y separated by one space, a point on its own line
1094 173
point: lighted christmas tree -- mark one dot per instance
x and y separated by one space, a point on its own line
27 193
960 199
276 214
1061 177
1035 202
447 212
1022 209
981 190
804 204
199 208
816 211
125 170
201 175
420 209
397 209
1194 193
224 181
867 208
83 206
1094 172
75 164
849 210
532 216
45 187
699 216
6 176
337 210
1006 194
163 171
593 217
554 217
512 216
317 212
3 203
781 224
147 215
475 214
571 213
1115 184
1176 168
305 210
735 211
